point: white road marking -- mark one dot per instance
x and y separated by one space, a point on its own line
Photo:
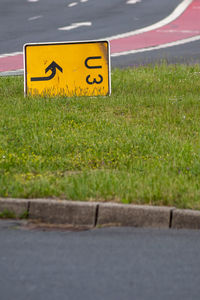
132 1
174 15
10 54
12 73
72 4
84 1
178 31
32 0
34 18
172 44
177 43
75 25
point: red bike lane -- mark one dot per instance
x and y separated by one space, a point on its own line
186 25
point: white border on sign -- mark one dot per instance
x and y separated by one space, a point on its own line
63 43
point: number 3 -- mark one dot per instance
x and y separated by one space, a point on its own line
95 80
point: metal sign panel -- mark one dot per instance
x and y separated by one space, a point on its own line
67 69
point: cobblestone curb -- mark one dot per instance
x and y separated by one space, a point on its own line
94 214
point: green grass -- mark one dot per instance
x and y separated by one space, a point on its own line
140 145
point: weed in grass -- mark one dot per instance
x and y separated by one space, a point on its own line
7 214
24 215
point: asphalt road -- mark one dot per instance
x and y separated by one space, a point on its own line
25 21
112 263
188 54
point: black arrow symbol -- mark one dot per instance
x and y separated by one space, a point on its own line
52 67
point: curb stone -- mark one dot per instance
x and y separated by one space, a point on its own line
92 214
18 207
186 218
111 214
63 212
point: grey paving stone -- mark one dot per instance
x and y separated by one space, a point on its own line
63 212
16 207
133 215
185 218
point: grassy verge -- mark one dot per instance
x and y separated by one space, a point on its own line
140 145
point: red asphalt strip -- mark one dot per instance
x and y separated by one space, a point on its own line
11 63
185 26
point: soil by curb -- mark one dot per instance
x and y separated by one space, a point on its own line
97 214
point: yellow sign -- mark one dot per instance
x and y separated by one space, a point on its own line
67 69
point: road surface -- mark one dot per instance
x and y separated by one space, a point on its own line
140 31
109 264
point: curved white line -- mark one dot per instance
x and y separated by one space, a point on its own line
177 43
12 73
10 54
174 15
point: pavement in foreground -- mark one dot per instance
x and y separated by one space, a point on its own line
110 263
